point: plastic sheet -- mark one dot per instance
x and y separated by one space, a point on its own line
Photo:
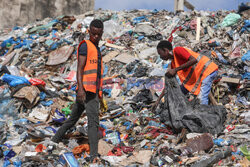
179 113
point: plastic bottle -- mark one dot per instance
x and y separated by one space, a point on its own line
72 144
187 151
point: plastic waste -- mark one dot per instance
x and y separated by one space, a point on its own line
113 137
13 81
246 26
246 57
42 95
69 159
113 29
49 25
221 58
245 152
35 82
17 162
221 142
179 113
13 70
8 154
157 72
145 29
72 144
213 159
139 19
7 108
145 54
133 80
230 19
40 148
59 117
67 111
79 149
47 103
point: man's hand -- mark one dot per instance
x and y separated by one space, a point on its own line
81 96
103 105
171 72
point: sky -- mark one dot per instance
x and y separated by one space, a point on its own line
211 5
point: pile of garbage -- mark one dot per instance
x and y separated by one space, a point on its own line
38 65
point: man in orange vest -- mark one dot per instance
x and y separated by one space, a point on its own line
89 92
196 71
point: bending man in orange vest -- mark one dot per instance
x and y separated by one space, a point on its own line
89 81
196 71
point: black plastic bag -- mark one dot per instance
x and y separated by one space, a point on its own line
144 96
179 113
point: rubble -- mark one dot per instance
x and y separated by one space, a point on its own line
38 82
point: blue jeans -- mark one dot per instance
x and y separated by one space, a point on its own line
205 87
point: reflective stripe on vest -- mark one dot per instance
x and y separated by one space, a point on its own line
192 77
192 70
199 80
90 70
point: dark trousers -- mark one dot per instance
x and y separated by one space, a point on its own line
92 110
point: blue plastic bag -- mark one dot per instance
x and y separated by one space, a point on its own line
140 37
13 80
246 75
230 20
54 33
107 91
6 163
139 19
8 154
221 58
246 57
42 95
47 103
221 142
60 117
246 26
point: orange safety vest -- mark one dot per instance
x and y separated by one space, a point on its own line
90 82
193 76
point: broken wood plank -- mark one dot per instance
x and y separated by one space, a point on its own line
212 99
110 56
7 58
230 80
198 29
188 5
114 46
125 58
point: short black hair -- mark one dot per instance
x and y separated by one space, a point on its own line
165 44
96 23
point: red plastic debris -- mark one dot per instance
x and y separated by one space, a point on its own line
39 148
35 82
